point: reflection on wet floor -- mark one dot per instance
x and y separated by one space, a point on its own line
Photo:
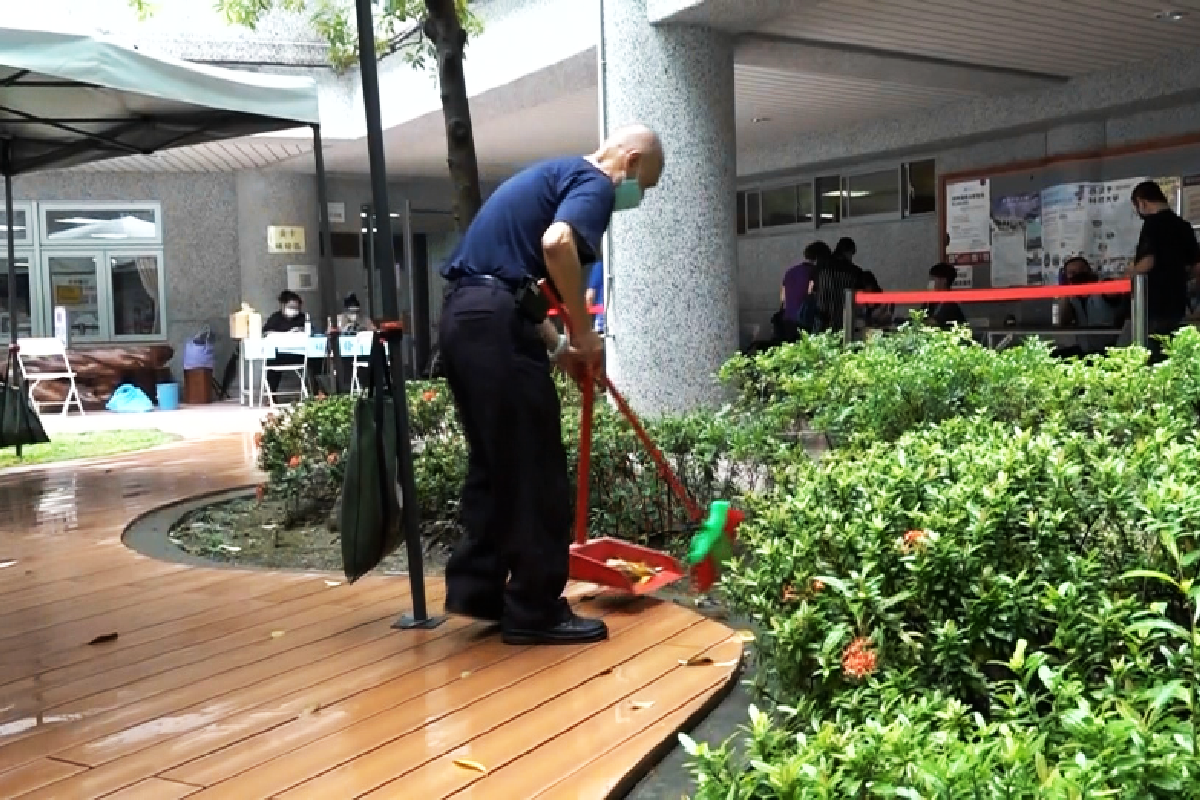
123 675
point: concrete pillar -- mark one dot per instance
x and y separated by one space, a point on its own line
264 199
673 261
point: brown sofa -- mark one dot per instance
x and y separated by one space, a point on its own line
99 370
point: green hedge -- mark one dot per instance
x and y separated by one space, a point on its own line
969 598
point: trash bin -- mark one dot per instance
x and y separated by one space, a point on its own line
168 396
197 386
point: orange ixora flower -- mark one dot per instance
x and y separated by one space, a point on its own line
428 395
332 458
790 595
914 539
859 660
818 585
260 492
258 439
293 462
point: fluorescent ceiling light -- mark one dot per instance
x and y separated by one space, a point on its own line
83 221
856 193
14 227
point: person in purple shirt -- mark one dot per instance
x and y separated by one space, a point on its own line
795 295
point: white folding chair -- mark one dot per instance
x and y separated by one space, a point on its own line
362 342
294 344
51 349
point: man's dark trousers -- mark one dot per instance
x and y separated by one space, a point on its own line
516 498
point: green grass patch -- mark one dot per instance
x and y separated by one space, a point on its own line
70 446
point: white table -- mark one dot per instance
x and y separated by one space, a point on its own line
258 351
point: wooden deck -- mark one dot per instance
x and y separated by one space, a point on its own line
240 684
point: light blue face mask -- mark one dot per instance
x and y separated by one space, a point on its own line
628 195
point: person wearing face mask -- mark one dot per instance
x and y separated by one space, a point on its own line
1167 254
289 318
1090 311
353 320
497 347
945 313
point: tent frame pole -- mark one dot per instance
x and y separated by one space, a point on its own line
6 168
419 619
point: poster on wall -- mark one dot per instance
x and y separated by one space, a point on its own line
1189 199
1066 226
1115 226
968 222
1017 240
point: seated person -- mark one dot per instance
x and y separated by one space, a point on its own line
795 293
833 277
946 313
289 318
353 320
1089 311
874 315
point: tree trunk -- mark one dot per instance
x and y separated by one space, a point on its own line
443 28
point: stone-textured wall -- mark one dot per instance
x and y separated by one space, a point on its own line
674 260
200 237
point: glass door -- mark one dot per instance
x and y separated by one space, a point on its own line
137 294
23 295
74 282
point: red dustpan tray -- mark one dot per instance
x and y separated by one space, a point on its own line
589 563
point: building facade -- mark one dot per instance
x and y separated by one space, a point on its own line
783 121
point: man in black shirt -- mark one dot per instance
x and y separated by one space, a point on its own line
1167 253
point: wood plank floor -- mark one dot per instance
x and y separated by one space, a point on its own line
238 684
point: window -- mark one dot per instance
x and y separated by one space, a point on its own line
741 213
786 205
829 200
75 285
753 211
873 194
920 187
135 288
22 231
24 297
343 245
107 224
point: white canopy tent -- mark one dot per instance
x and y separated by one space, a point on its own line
68 99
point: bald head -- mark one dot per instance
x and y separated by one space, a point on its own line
633 151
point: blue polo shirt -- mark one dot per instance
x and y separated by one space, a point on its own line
505 238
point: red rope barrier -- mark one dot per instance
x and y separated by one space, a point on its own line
992 295
591 310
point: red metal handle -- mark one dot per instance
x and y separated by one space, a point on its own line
585 438
584 473
660 461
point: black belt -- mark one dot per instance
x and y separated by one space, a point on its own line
482 280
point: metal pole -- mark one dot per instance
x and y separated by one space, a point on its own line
1140 320
379 196
325 263
6 168
409 261
848 317
420 619
387 280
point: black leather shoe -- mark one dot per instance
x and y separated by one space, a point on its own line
572 630
474 611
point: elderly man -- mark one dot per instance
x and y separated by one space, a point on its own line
497 346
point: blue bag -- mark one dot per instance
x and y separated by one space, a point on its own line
129 399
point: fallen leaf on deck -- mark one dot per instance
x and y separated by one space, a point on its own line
4 564
104 638
466 674
333 583
276 634
641 705
608 671
310 710
696 661
745 636
474 766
